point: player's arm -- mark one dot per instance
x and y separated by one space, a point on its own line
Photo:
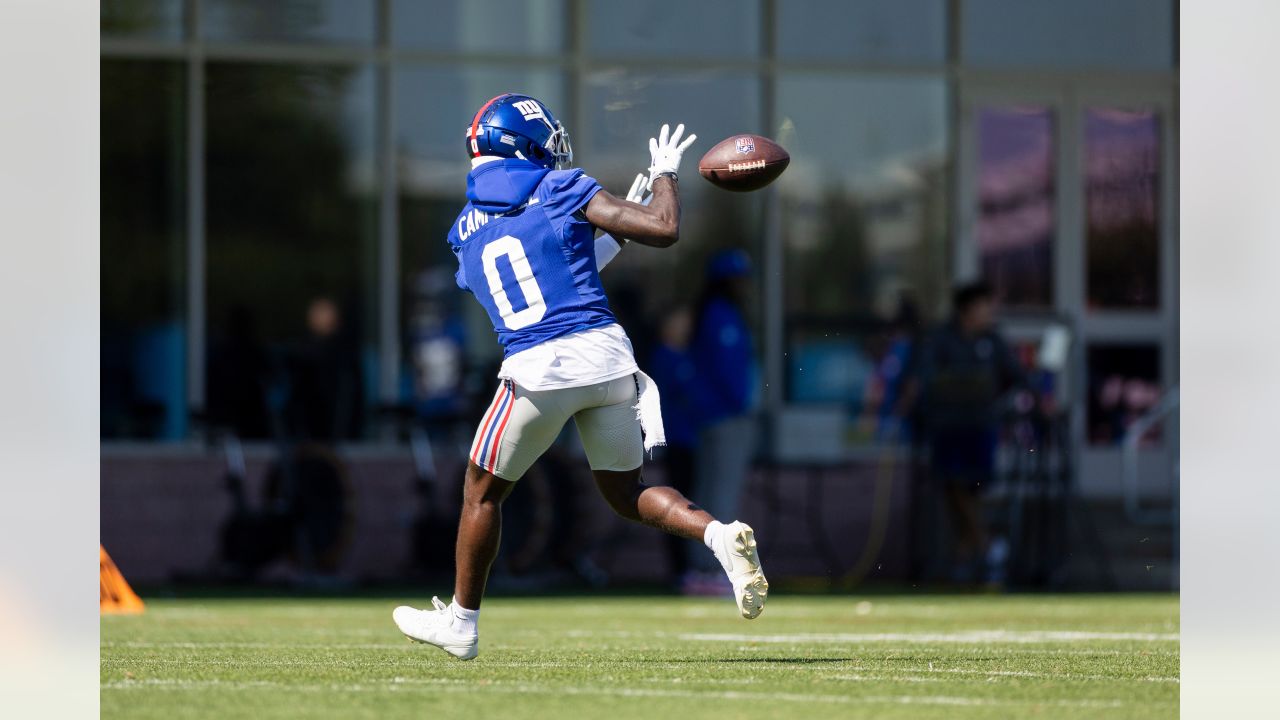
658 223
608 247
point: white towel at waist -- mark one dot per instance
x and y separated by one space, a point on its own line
649 411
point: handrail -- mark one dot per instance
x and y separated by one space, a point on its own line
1167 406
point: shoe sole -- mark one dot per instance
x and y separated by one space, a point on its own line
468 654
752 597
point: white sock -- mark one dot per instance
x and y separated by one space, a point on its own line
711 533
711 538
464 620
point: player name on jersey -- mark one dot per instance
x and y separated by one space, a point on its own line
471 221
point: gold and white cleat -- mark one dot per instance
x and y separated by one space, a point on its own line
750 588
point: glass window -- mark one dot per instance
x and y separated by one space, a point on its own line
350 22
450 350
1134 34
291 249
480 26
149 19
864 227
1124 384
903 31
1016 211
705 29
143 170
622 110
1122 198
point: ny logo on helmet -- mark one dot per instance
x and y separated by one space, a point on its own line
531 110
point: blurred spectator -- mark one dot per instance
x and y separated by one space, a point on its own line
893 423
240 372
961 374
672 368
724 361
326 394
436 341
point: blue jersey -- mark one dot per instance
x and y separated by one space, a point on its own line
527 253
724 358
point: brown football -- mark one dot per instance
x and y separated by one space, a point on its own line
743 163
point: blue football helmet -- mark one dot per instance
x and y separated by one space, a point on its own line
518 126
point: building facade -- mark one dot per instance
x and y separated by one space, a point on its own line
278 179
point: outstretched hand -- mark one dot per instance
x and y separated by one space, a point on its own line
665 152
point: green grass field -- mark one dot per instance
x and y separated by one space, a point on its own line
926 656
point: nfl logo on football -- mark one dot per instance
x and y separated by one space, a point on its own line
746 145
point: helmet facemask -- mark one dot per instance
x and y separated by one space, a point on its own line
559 147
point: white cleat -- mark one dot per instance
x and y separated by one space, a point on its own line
750 588
435 627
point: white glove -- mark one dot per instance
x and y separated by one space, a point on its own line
638 189
607 247
664 153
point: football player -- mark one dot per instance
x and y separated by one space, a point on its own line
527 250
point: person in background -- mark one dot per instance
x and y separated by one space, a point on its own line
724 362
326 397
436 339
893 425
672 368
961 374
241 371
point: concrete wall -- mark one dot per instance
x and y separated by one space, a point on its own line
161 513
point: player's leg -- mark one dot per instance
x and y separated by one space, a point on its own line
518 427
664 508
667 509
515 436
611 436
678 462
722 464
479 533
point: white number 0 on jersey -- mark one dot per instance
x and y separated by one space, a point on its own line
536 307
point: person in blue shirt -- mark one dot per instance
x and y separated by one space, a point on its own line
723 354
893 420
723 348
671 365
528 252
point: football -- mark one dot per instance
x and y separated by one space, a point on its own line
743 163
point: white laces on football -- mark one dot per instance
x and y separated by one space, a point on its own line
438 604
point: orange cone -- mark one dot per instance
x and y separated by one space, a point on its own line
117 597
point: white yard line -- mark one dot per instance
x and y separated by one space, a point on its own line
466 686
969 636
1055 676
218 645
882 678
964 636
